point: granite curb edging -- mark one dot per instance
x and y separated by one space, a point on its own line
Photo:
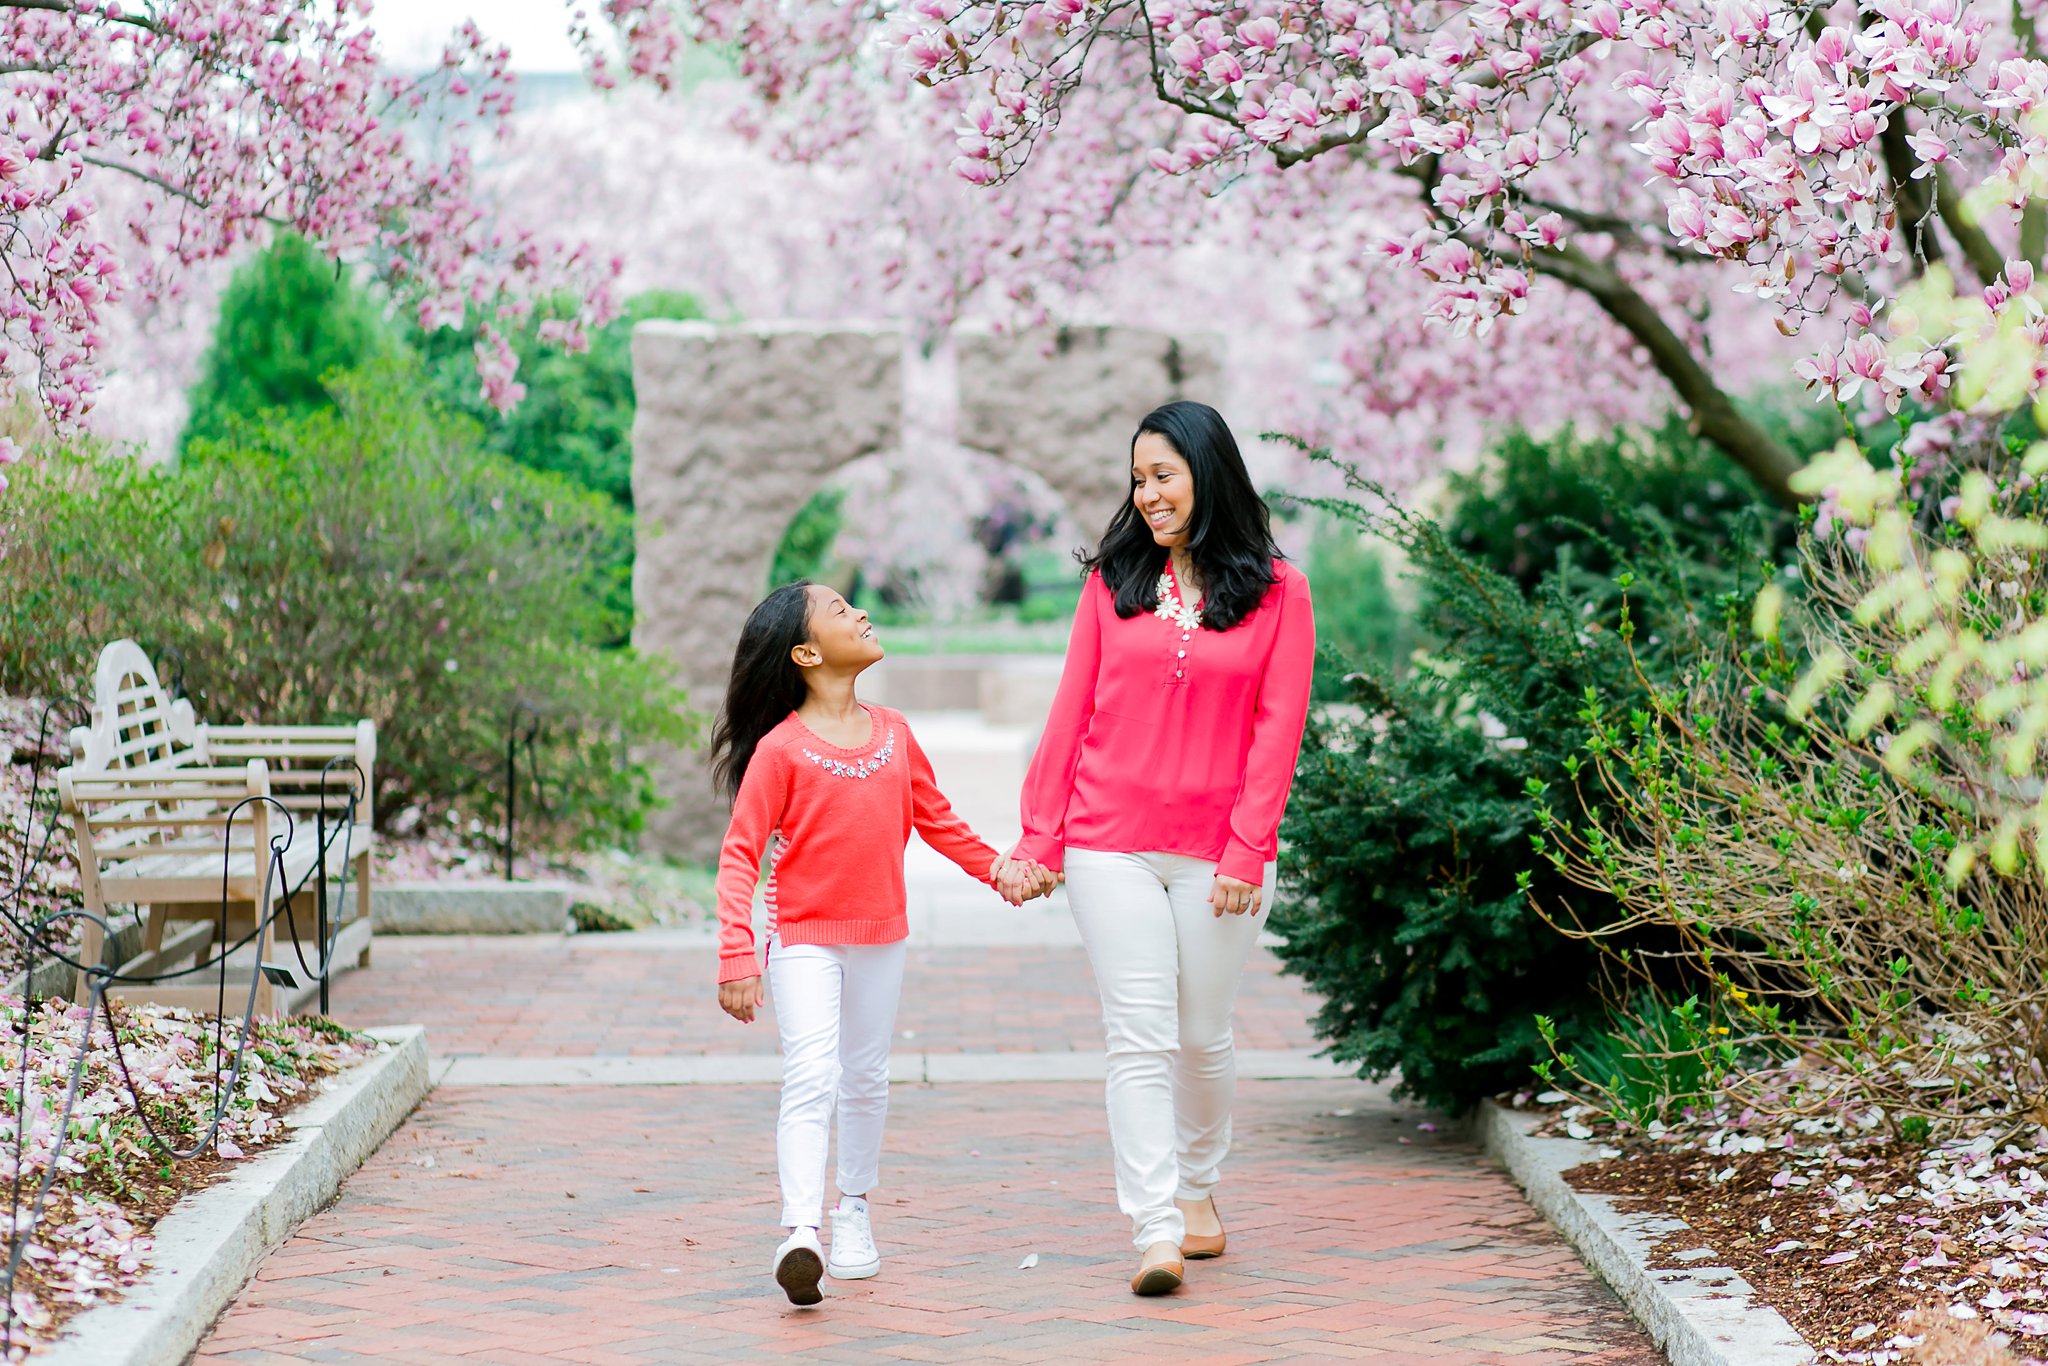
213 1240
1704 1315
471 907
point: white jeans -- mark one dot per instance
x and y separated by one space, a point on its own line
1167 967
836 1007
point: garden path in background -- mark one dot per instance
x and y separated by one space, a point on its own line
555 1201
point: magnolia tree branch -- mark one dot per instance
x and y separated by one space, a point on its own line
1765 147
67 7
1912 195
1985 259
1626 232
1714 414
154 181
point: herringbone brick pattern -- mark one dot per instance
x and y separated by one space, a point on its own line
551 996
629 1226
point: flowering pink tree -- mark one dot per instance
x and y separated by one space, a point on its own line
1659 164
223 118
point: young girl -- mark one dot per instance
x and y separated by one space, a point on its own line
829 789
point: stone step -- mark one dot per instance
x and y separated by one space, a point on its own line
471 907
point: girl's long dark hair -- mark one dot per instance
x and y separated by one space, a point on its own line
766 683
1230 535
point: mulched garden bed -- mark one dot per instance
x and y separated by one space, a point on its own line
1876 1251
112 1181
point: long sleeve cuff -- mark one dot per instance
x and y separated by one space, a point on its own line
738 968
1242 862
1040 849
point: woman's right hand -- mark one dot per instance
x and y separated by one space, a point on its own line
1233 897
741 998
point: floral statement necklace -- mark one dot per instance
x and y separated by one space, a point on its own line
1172 609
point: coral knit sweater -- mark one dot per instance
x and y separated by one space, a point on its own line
834 823
1163 740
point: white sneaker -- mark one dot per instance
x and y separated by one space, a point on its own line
799 1264
853 1243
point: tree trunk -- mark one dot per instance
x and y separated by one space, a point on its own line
1714 414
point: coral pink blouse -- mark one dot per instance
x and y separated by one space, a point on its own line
1169 741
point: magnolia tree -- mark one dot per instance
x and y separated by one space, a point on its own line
210 121
1663 181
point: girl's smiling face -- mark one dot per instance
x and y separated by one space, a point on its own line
841 635
1162 488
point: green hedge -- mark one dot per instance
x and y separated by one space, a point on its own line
369 560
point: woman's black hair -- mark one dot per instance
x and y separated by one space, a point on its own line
1230 535
766 683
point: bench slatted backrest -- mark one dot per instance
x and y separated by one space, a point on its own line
298 757
134 726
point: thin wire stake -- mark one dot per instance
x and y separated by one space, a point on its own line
514 736
320 889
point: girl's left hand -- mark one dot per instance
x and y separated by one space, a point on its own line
742 998
1232 897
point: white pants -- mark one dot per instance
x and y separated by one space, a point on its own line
1167 967
836 1007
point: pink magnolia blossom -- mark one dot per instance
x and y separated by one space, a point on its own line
218 119
1701 159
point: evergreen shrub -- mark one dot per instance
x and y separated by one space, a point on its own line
1358 622
576 418
289 318
1409 850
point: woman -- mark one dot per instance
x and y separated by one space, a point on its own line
1158 789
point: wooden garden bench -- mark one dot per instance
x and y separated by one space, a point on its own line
149 792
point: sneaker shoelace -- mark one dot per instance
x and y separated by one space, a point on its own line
852 1232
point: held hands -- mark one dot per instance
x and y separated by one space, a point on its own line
740 999
1231 897
1020 880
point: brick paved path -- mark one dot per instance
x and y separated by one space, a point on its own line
543 995
627 1225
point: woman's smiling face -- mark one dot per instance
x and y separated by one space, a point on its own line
1162 488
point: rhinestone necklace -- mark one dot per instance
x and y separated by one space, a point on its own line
1172 609
860 768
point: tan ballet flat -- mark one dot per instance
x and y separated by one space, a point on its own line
1197 1247
1159 1278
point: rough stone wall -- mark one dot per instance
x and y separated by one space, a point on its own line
1064 402
735 428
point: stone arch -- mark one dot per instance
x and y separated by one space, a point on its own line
1063 401
737 426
